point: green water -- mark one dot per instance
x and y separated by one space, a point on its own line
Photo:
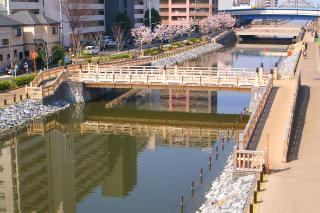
138 157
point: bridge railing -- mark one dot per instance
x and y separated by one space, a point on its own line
35 93
46 75
252 123
288 131
174 75
52 88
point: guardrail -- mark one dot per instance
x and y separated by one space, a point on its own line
288 131
251 125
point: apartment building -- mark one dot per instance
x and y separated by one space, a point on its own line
90 23
172 10
38 30
11 42
140 7
135 10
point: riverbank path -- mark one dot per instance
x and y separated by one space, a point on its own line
296 188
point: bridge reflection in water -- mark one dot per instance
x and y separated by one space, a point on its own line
55 163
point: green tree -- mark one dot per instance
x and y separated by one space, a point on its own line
125 22
155 18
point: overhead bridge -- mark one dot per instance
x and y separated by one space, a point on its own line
275 31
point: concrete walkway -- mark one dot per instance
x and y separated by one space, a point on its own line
296 188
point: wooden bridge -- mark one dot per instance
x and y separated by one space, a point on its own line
147 77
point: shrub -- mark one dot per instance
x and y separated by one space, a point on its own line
23 80
194 40
119 56
5 85
151 51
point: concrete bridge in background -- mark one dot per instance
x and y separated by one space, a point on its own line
277 13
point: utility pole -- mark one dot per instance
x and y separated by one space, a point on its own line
61 23
150 22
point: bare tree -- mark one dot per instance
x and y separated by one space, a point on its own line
73 12
97 36
118 34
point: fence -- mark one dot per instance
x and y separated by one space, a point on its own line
248 160
251 125
288 131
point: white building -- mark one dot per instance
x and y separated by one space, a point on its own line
92 21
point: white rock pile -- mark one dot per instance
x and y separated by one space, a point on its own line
19 114
194 53
228 194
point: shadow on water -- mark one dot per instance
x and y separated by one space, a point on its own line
262 121
298 124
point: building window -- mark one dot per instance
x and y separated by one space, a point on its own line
5 42
1 58
20 55
18 31
15 53
27 54
8 56
54 30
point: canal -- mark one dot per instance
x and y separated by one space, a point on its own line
139 156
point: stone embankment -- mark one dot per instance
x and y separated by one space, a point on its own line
19 114
228 194
194 53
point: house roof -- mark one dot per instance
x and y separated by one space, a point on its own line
28 18
6 21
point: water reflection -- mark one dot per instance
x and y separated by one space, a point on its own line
57 164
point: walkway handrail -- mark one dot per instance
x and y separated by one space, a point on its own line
288 131
52 88
252 123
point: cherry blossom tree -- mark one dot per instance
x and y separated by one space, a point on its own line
172 33
226 20
184 26
160 33
142 35
216 22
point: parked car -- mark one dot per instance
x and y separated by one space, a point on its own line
106 39
25 66
91 50
111 43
